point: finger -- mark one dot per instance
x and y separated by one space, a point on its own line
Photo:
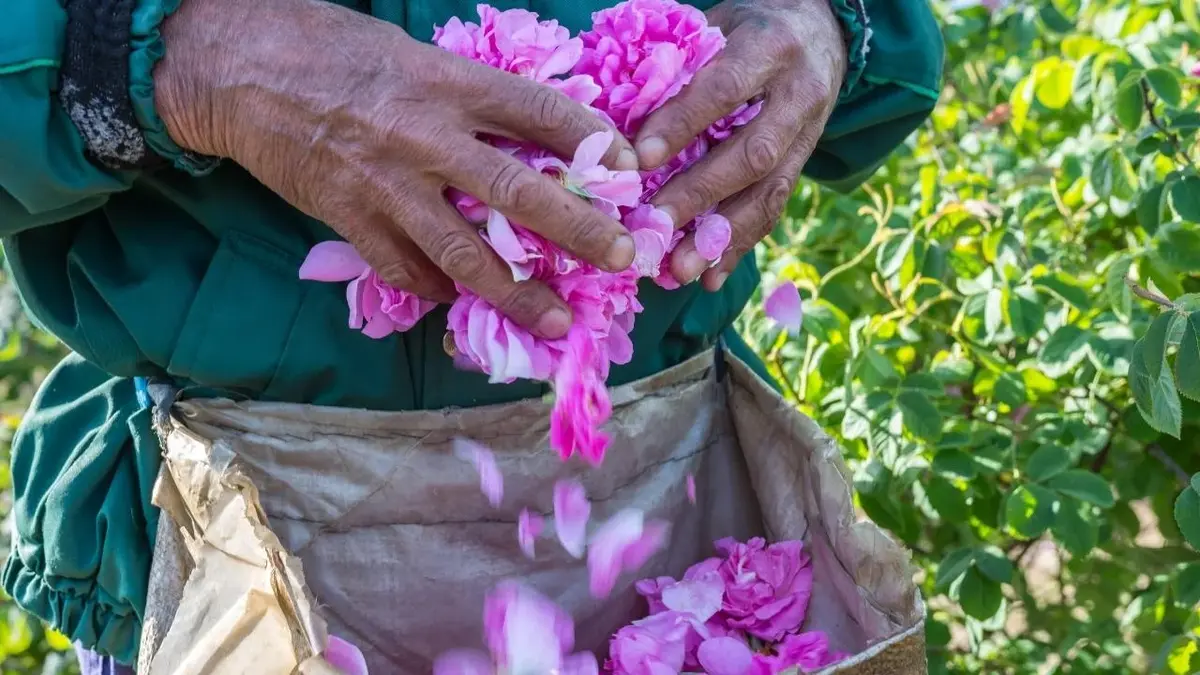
534 112
755 211
746 158
538 202
731 79
399 262
458 250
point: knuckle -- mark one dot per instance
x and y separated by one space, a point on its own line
776 193
547 109
699 195
461 256
523 302
511 187
762 153
398 273
588 234
732 83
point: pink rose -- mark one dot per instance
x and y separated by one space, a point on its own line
651 646
766 587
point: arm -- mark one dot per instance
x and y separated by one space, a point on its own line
893 77
76 111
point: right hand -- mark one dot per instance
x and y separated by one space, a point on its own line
362 127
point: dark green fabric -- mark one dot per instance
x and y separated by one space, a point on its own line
194 276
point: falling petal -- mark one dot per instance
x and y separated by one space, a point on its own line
624 543
784 306
529 528
332 261
571 513
490 480
463 662
344 656
713 233
725 656
691 488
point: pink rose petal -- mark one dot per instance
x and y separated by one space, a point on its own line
463 662
344 656
571 513
691 488
529 528
784 306
713 233
725 656
491 483
700 597
332 261
624 543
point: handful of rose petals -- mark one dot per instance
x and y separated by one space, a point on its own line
637 55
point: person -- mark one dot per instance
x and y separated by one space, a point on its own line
165 166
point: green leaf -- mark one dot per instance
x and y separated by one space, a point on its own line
1064 350
1066 288
993 311
1190 14
1154 342
1187 585
1054 85
1020 102
1083 485
1187 516
1156 397
1026 312
921 416
1187 360
1150 208
956 463
1185 198
1120 297
1075 528
1164 83
953 566
1195 482
994 565
1046 462
949 501
1029 510
890 256
1010 390
979 596
1130 104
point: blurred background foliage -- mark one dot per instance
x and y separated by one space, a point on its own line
1003 330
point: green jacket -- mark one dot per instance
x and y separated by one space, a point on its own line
194 277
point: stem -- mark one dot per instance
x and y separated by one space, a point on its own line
1146 294
1157 453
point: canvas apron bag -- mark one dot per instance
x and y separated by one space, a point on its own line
284 523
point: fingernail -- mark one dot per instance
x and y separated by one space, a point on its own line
554 324
621 253
652 152
693 265
627 160
719 280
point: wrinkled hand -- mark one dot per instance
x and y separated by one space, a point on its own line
791 53
358 125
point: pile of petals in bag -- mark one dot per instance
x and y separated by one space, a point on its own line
737 613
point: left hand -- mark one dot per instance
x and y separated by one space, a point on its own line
790 52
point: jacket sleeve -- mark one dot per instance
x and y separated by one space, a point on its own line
892 83
77 119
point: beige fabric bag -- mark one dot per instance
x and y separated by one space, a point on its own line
285 522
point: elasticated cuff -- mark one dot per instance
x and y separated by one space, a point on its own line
78 608
856 26
105 85
147 50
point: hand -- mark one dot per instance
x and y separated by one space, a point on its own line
792 53
357 124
